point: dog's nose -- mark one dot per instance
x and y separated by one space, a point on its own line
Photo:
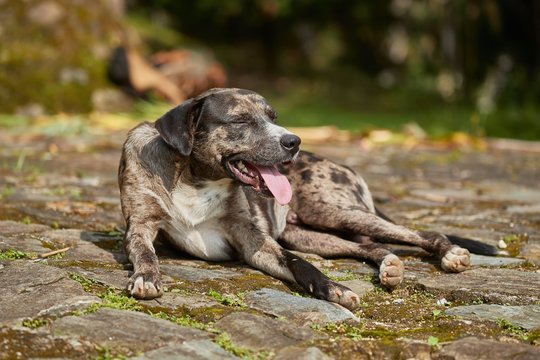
290 141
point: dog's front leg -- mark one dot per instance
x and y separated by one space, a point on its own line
145 283
262 252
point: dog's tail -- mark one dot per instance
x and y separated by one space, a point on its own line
474 246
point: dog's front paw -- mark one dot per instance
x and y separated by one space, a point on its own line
341 295
145 285
457 259
391 271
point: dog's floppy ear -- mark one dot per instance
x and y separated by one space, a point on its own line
177 126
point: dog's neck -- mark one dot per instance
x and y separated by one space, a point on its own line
197 174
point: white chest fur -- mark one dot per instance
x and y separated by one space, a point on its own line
194 206
195 225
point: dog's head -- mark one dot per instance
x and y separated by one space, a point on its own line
233 133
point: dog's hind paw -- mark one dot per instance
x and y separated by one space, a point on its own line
145 285
457 259
391 271
343 296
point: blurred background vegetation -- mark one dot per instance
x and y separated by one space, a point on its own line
445 65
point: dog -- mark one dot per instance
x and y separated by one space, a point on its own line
219 179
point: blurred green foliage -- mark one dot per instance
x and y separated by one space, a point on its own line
470 65
448 65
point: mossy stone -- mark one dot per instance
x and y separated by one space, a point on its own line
54 52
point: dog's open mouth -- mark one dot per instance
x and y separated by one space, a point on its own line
262 179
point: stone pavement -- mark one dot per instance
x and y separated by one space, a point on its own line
61 192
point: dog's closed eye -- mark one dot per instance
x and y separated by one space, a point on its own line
272 114
241 119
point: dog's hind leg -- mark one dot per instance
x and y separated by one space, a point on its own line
360 222
330 197
295 237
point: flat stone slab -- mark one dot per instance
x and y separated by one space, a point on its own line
524 209
481 260
173 301
189 273
531 252
472 348
23 343
69 305
37 289
9 227
190 350
262 333
490 192
84 246
526 316
127 331
22 237
360 287
299 309
498 286
114 278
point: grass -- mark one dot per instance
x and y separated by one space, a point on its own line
316 112
377 109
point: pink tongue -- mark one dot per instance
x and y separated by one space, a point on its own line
277 183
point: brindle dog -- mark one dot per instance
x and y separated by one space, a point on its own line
210 176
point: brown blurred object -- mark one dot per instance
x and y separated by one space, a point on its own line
193 72
174 75
144 78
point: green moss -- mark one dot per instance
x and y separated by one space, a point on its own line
514 330
109 296
235 285
433 341
515 242
89 285
210 314
409 313
201 318
347 275
184 320
108 354
6 192
114 300
229 300
31 343
35 323
224 340
12 254
55 65
26 220
534 337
